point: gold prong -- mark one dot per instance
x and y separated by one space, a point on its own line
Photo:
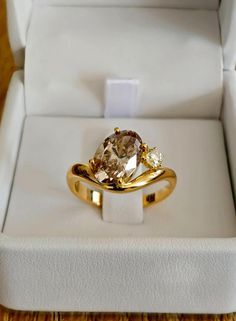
143 159
144 147
117 130
120 181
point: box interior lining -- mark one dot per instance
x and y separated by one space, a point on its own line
175 53
181 78
42 205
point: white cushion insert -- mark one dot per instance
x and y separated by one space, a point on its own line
175 53
42 205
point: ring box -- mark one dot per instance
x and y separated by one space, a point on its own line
56 253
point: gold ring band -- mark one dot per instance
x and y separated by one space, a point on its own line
114 164
81 173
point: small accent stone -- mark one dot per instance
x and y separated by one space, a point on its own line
117 157
154 158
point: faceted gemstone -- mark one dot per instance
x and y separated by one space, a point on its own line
117 157
154 158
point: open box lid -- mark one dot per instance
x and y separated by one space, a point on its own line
176 55
19 13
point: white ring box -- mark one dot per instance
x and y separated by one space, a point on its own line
56 253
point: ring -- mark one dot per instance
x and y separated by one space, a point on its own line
113 167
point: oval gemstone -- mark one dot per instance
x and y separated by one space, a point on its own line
117 157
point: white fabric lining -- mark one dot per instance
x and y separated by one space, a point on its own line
10 137
188 4
41 204
176 55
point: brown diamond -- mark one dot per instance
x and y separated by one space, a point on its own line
117 157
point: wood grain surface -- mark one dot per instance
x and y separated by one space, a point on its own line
6 61
6 69
6 315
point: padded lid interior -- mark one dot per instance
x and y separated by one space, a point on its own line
196 4
175 53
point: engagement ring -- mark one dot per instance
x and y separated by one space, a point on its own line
113 169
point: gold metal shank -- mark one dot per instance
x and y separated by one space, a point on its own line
81 173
